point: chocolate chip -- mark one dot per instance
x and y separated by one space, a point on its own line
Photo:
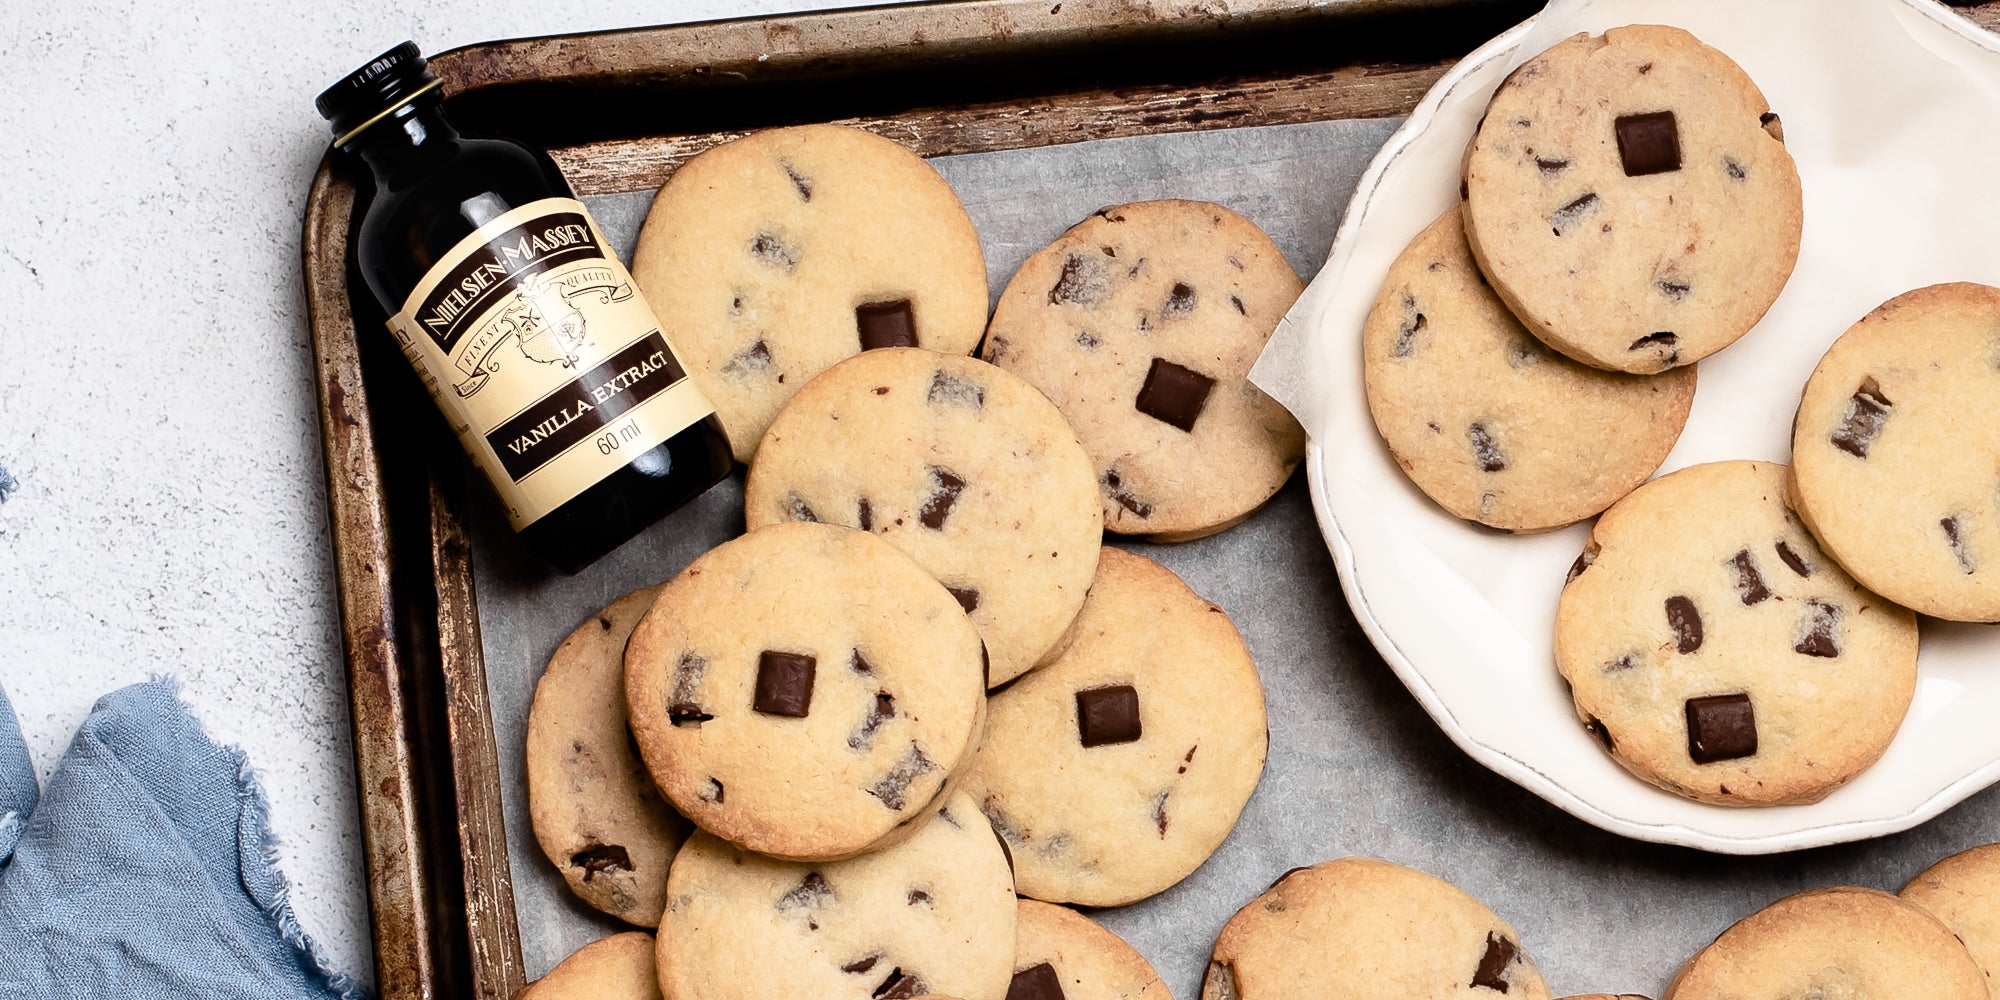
860 965
1108 715
683 704
1598 732
768 250
811 893
1623 663
1485 449
918 897
796 509
756 358
946 485
1959 546
1084 281
1721 727
1549 165
784 684
1818 634
1583 561
1160 812
1866 412
901 986
1686 623
1773 125
885 324
799 182
1749 583
1648 143
1734 169
1662 338
1413 324
968 597
1114 490
893 787
884 710
865 513
1087 340
1173 394
599 858
1492 971
1570 214
1237 301
1038 982
1793 559
860 665
713 793
1181 300
947 388
1675 290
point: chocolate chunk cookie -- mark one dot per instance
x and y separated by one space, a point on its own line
1964 891
593 806
619 967
1631 199
1363 929
1141 324
1059 954
1116 770
775 256
1487 421
962 465
1896 451
933 913
1715 651
1845 942
805 691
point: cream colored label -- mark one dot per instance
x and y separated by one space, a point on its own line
545 359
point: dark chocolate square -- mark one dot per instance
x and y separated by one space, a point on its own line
886 324
1108 715
1037 983
784 684
1721 727
1174 394
1649 143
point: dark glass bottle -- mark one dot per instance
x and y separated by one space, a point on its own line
521 322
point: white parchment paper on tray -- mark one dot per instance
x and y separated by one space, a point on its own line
1892 111
1355 765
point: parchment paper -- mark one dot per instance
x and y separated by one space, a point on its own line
1355 766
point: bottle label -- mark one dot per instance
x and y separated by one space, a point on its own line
545 359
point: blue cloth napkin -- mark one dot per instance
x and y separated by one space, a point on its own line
145 869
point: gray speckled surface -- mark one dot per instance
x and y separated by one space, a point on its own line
1355 767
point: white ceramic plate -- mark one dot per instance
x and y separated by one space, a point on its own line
1463 614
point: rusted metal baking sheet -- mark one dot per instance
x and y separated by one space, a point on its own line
619 110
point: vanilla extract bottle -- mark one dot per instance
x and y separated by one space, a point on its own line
521 321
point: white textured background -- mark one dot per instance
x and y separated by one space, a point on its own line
161 506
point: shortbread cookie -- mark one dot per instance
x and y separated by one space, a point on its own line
619 967
1059 954
773 257
593 806
1964 891
963 466
1141 324
935 912
1363 929
1491 424
1855 944
1896 451
805 690
1715 651
1630 196
1116 770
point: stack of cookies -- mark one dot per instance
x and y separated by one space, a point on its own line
1739 633
867 749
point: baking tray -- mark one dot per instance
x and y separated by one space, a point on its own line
619 110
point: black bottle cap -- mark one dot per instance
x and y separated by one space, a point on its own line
387 81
